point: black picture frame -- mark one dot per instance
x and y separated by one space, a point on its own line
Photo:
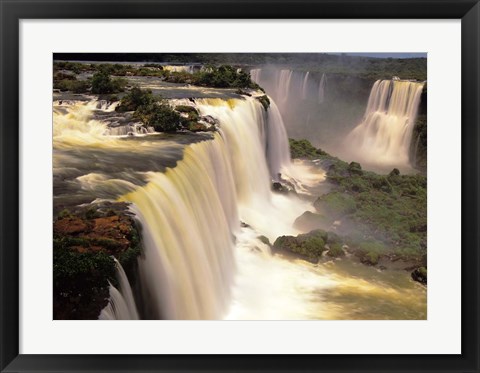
12 11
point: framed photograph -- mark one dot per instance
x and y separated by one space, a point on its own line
239 186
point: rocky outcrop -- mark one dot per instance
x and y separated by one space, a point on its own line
420 275
85 241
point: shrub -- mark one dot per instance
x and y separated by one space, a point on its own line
302 149
75 86
80 282
308 246
159 115
102 83
335 250
134 99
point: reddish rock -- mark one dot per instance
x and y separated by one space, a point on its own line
69 226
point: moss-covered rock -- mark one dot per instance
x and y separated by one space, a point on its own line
309 221
335 250
309 246
336 204
265 101
420 275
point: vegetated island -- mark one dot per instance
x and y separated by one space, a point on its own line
379 219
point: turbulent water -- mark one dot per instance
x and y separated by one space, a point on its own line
203 202
385 134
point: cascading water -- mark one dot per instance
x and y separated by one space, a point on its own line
73 124
385 134
199 262
191 213
121 305
305 86
283 87
255 75
321 89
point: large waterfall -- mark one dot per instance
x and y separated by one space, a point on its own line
191 213
385 134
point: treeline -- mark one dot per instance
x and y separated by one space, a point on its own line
66 76
365 67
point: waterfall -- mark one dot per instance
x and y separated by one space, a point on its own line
384 136
321 89
191 213
180 68
283 84
278 152
305 86
121 305
255 75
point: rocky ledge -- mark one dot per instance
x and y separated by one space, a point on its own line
85 241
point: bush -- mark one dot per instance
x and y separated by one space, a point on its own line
224 76
102 83
307 247
302 149
80 281
160 116
134 99
335 250
369 251
75 86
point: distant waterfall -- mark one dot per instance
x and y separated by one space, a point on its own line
283 84
321 89
255 75
305 86
121 305
385 134
180 68
190 213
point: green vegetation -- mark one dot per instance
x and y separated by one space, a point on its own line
380 215
156 112
102 83
135 98
419 143
152 110
80 281
309 246
159 115
84 245
364 67
335 250
336 204
303 149
72 85
223 76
